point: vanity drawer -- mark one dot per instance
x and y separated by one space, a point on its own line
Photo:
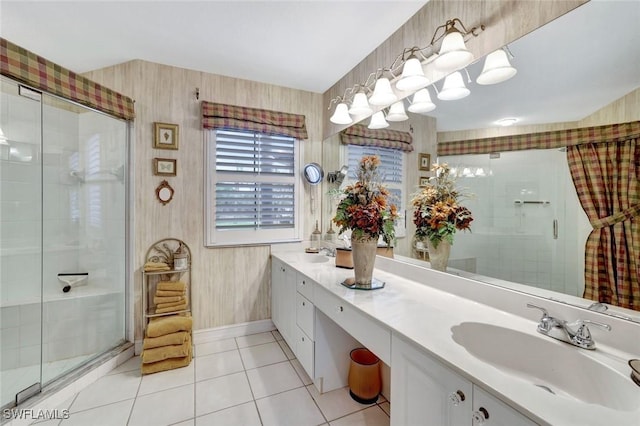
305 287
360 326
304 351
304 315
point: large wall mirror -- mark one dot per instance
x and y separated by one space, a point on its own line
576 71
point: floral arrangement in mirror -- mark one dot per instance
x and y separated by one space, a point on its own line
438 214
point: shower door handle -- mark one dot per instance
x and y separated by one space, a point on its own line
555 229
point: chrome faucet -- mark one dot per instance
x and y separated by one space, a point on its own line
576 333
331 252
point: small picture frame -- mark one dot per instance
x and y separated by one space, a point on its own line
165 136
165 166
423 181
424 162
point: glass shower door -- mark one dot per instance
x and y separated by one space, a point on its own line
20 242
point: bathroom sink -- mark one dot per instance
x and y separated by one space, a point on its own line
552 366
316 258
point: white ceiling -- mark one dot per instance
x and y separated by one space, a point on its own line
306 45
566 70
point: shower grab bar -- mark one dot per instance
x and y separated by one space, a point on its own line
531 202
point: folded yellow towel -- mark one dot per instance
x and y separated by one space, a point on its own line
156 266
161 326
171 304
167 364
171 309
165 293
167 299
171 285
177 338
165 352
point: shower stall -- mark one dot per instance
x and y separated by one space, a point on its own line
63 238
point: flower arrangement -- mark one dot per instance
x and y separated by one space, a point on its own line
438 213
364 208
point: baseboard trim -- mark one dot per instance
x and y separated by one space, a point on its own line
234 330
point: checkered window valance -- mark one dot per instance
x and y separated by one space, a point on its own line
221 116
359 134
543 140
28 68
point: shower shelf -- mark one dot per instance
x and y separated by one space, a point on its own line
165 251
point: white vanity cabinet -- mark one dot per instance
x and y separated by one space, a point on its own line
283 300
427 393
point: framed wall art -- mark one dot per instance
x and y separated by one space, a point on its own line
423 181
165 166
424 162
165 136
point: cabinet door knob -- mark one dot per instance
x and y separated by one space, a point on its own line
480 416
341 309
456 397
303 283
303 339
303 304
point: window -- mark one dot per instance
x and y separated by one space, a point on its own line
252 188
391 170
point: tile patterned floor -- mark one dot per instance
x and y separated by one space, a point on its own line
249 380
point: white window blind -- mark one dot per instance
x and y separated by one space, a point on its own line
391 170
251 188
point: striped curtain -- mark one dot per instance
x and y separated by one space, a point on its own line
33 70
607 179
221 116
359 134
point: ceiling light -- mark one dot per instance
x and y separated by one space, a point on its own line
378 121
453 53
382 93
341 115
453 88
507 121
360 105
496 68
413 77
396 112
421 102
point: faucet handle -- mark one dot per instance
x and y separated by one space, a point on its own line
546 321
583 337
544 311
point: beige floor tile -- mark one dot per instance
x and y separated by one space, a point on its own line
372 416
255 339
258 356
216 365
222 392
241 415
272 379
164 408
336 403
115 414
291 408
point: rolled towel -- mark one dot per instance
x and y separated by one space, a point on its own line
165 293
167 299
171 304
171 309
171 285
165 352
167 364
156 266
170 324
177 338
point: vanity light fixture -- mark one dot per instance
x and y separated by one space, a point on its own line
397 113
497 68
378 121
453 88
421 102
409 72
341 115
453 53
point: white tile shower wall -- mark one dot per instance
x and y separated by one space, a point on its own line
515 242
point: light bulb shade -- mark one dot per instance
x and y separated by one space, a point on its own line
378 121
360 105
453 53
453 88
421 102
341 115
412 77
396 112
382 93
496 68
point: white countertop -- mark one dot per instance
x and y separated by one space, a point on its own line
425 315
